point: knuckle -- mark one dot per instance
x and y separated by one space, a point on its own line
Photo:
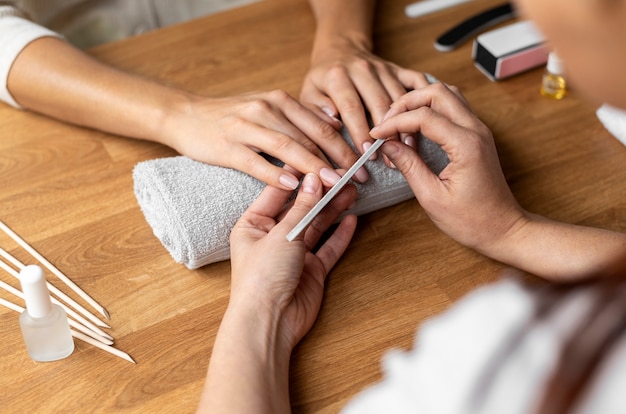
258 106
324 130
337 72
279 95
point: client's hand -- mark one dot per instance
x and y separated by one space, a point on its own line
230 132
276 294
286 279
347 80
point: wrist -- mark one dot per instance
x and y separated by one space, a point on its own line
262 325
248 371
173 116
341 42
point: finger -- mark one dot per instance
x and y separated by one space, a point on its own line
431 124
346 97
411 165
370 87
440 98
309 194
336 245
411 79
320 104
340 203
297 155
323 135
244 159
268 205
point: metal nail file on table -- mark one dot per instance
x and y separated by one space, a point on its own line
306 220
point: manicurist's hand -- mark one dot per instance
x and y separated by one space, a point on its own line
276 293
470 199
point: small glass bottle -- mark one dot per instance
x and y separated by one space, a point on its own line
553 83
45 327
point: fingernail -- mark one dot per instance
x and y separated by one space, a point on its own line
366 146
289 181
308 184
390 150
410 141
362 175
330 113
330 176
352 205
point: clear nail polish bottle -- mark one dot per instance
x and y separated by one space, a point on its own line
553 83
44 324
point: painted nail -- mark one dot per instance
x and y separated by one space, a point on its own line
289 181
362 175
330 113
308 185
410 141
366 146
330 176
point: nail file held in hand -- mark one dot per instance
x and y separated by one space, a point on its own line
306 220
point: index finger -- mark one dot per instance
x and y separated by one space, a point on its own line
440 98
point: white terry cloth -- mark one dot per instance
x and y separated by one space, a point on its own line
614 121
16 33
192 206
499 349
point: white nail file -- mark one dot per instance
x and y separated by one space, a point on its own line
306 220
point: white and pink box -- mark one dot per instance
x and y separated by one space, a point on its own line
510 50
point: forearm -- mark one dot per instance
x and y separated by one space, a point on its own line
249 368
343 20
559 251
52 77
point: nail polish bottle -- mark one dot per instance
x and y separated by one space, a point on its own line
553 83
44 324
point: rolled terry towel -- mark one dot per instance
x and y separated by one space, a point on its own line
614 120
192 206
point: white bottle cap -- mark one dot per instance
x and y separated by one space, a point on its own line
555 64
36 294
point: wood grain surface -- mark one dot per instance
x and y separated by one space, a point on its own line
69 192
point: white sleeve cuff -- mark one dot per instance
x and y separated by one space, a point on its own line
15 34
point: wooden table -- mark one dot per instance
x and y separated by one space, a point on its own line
69 192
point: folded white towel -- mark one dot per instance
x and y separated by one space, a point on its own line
614 121
192 206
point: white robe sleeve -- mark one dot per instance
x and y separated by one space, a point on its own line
16 32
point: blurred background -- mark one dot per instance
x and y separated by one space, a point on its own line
87 23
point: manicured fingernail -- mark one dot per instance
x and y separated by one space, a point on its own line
289 181
366 146
362 175
330 176
308 184
330 113
410 141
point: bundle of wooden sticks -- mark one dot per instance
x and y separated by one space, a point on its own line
84 325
